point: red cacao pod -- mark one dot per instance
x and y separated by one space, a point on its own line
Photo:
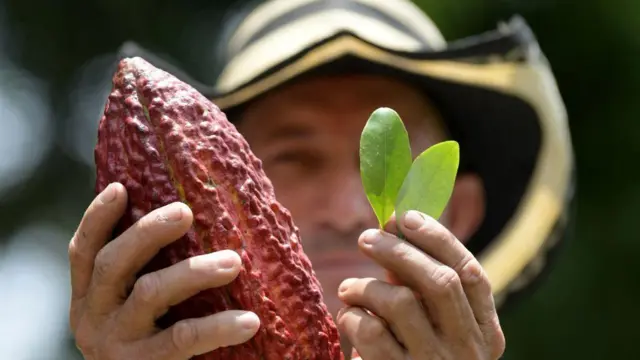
166 142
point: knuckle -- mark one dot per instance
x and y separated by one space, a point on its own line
102 264
147 288
401 252
446 279
77 254
184 335
403 300
431 228
73 252
84 338
472 272
82 341
144 228
446 238
96 340
374 331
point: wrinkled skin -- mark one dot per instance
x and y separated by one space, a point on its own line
430 297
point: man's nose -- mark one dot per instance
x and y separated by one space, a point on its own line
346 206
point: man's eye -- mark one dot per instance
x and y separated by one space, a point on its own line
290 156
300 157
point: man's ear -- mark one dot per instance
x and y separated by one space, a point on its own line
466 208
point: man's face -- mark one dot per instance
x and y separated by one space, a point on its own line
307 136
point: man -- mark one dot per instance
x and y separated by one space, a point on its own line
300 78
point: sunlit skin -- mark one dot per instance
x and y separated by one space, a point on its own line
308 135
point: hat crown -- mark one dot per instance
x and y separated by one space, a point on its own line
398 24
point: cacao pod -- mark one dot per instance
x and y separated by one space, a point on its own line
165 142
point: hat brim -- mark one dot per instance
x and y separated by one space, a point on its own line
500 101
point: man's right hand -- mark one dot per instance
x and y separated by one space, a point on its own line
110 323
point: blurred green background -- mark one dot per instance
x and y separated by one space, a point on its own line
56 60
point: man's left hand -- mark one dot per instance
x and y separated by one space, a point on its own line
439 304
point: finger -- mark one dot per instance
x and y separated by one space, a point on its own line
92 233
438 285
398 306
119 261
432 237
369 335
155 292
191 337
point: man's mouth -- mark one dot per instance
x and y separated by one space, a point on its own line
345 258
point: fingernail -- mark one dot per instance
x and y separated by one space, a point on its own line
413 220
249 321
171 213
108 194
371 237
227 261
345 285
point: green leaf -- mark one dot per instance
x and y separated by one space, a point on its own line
430 181
385 159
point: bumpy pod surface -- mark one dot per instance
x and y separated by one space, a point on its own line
166 142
